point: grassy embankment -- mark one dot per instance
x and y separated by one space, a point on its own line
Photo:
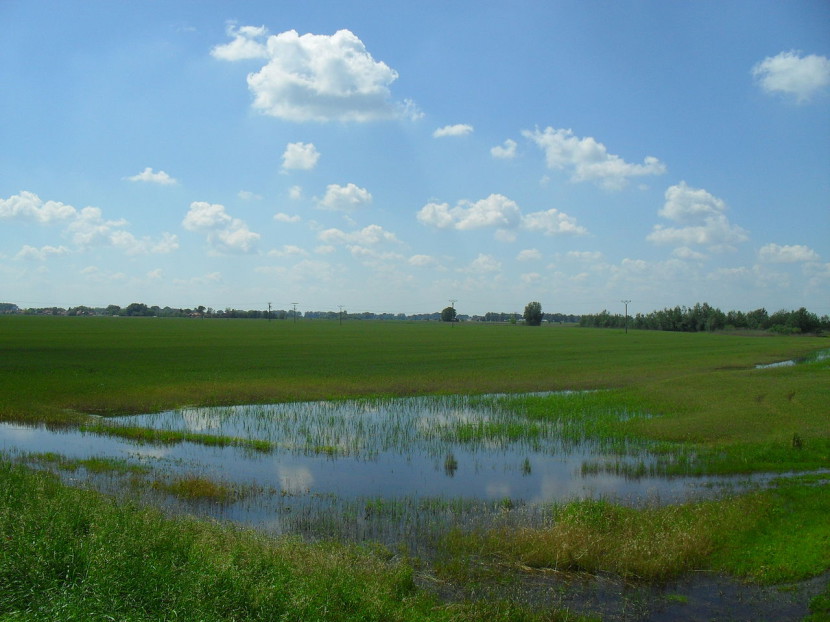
701 389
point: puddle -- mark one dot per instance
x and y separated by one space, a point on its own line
383 470
821 355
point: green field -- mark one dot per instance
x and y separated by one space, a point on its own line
701 391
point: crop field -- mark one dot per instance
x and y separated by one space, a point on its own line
515 402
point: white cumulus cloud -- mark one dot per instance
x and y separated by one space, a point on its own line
505 151
40 254
773 253
423 261
27 206
704 219
589 160
148 175
791 74
224 233
300 156
483 264
344 198
281 217
370 235
315 77
529 254
246 44
494 211
460 129
552 222
497 211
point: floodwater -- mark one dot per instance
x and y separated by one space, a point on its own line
815 357
403 472
363 469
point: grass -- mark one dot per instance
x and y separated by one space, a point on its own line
770 536
695 399
95 464
171 437
52 367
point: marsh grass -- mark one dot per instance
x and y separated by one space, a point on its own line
199 488
171 437
72 554
769 536
93 465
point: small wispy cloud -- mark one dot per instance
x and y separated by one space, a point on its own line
150 176
460 129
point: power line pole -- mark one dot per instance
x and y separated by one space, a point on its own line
295 311
625 302
341 314
269 311
452 319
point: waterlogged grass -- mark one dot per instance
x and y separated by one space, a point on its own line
768 536
95 464
71 554
200 488
172 437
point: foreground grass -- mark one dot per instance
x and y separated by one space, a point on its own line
70 554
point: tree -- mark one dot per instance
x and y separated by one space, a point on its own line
533 314
448 314
137 308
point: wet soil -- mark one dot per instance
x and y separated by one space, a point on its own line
694 597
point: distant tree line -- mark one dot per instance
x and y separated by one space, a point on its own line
557 318
703 317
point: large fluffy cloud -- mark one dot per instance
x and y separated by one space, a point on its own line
27 206
791 74
314 77
224 233
703 217
589 160
86 227
496 211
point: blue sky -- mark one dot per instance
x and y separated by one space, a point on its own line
389 157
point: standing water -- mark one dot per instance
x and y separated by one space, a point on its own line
377 469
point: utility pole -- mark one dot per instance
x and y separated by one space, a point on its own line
625 302
452 302
269 311
295 311
341 314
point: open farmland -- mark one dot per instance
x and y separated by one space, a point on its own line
685 395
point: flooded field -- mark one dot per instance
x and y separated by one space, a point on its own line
397 471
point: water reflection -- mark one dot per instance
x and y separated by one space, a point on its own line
821 355
402 459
